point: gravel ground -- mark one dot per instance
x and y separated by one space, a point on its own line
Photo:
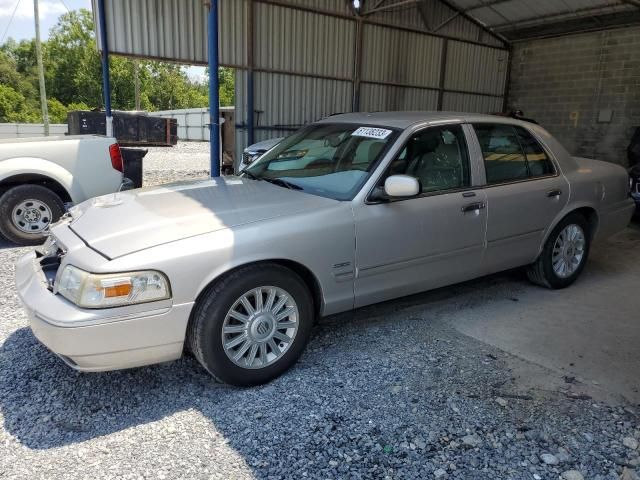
187 160
388 391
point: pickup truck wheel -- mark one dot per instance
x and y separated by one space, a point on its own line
564 254
252 325
26 211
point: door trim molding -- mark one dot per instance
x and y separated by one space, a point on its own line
412 262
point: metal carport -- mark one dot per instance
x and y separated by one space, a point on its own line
300 60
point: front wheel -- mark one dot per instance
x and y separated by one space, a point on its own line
26 211
252 325
564 254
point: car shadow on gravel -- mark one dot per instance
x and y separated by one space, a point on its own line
5 244
388 389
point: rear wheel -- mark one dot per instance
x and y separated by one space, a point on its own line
252 325
26 211
564 254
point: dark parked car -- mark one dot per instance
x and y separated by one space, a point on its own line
634 173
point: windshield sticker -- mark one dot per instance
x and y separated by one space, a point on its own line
379 133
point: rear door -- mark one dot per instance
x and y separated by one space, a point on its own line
411 245
525 192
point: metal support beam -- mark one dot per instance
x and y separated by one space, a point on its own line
588 13
443 73
425 14
43 91
214 86
106 83
399 4
251 91
489 3
445 22
507 82
357 67
475 21
371 21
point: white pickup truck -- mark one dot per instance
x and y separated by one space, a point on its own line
40 177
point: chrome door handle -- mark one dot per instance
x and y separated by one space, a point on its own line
554 193
472 207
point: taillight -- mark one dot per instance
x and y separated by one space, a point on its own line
116 157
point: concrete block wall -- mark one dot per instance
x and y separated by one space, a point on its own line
565 83
25 130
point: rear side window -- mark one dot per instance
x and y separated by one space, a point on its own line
537 159
511 153
503 157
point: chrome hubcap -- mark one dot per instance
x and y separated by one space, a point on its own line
260 327
31 216
568 251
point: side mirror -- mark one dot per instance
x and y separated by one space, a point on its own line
401 186
397 187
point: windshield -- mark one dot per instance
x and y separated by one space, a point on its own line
330 160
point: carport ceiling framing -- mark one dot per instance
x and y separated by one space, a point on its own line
523 19
426 11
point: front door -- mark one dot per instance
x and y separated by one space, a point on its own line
411 245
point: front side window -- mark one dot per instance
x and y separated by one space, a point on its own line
437 157
330 160
511 153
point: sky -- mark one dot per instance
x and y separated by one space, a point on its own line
22 25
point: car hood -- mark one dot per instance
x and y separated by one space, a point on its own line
125 222
264 145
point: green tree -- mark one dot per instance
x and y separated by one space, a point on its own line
226 77
14 107
57 111
70 49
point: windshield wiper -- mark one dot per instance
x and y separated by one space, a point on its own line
283 183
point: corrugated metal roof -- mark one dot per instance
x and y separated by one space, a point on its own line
384 98
523 19
174 30
293 40
475 69
401 57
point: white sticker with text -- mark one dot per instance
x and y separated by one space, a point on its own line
379 133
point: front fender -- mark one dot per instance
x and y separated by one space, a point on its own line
322 242
39 166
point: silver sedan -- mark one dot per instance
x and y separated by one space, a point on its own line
353 210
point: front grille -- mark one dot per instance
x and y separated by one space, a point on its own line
246 158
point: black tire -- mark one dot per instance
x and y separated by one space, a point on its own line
542 273
204 334
13 197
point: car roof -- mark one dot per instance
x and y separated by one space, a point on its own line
406 119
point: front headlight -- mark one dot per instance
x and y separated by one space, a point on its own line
89 290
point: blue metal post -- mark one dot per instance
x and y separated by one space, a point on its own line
214 94
106 84
250 109
250 74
